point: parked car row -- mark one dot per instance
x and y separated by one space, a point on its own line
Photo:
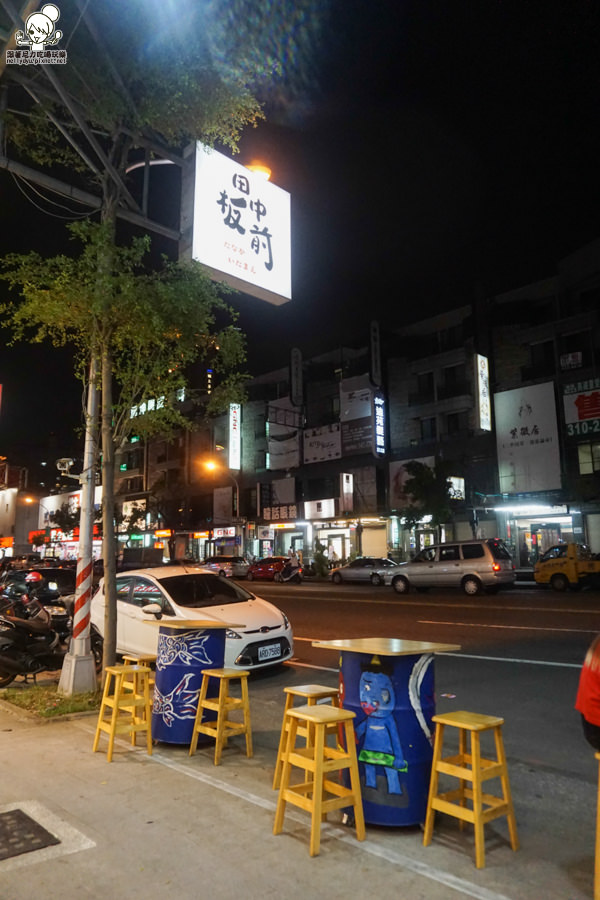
474 566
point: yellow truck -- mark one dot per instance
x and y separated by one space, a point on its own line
567 566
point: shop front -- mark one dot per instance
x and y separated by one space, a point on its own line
529 529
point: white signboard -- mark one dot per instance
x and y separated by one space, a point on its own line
527 439
322 443
483 392
241 227
235 436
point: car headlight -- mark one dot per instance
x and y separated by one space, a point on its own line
233 635
286 621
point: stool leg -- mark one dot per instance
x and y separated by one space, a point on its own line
246 709
477 801
148 714
433 784
199 712
282 743
506 792
462 751
105 695
221 715
317 799
359 816
285 776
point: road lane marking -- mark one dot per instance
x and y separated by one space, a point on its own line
510 659
508 627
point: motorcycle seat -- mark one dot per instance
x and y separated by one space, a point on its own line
33 626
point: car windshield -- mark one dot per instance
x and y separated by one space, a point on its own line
194 591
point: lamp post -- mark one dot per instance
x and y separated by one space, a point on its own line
212 466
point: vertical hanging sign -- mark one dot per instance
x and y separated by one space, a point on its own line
235 436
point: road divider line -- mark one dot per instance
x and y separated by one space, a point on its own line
508 627
510 659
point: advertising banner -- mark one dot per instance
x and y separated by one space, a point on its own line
582 409
322 443
527 439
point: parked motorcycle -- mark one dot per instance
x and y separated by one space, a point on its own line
29 644
289 572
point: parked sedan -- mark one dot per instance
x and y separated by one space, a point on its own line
266 569
373 569
230 566
179 592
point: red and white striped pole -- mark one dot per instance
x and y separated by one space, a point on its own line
78 673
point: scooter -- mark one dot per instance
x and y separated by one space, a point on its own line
29 645
289 573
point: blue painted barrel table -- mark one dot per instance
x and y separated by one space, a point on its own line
388 683
185 648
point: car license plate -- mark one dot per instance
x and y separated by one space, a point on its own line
271 651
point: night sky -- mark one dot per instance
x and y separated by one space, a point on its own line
433 150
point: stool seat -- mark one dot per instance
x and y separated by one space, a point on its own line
319 794
312 694
475 769
223 727
125 706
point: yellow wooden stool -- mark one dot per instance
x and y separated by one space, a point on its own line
132 659
223 727
311 694
319 794
470 767
126 703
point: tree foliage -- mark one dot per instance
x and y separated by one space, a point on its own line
427 492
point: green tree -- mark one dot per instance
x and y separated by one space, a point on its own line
155 325
427 491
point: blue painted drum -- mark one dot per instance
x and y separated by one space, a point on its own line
181 656
393 700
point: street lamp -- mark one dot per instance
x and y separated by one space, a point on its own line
212 466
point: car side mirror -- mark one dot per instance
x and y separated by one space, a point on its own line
153 609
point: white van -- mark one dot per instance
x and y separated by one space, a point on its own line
471 565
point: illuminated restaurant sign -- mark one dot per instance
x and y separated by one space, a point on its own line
241 227
235 436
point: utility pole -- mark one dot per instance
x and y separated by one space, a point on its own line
78 673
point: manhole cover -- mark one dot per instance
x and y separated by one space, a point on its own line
21 834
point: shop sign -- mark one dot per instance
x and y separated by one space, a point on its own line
483 392
240 227
527 439
289 511
224 532
264 533
163 533
582 408
235 436
378 425
322 443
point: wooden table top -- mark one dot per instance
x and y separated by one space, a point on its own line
188 624
386 646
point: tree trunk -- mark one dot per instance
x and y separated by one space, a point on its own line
105 265
108 514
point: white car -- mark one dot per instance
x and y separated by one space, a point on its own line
230 566
265 637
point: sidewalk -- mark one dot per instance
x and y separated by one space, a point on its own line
143 826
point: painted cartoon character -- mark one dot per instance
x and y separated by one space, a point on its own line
39 28
377 734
